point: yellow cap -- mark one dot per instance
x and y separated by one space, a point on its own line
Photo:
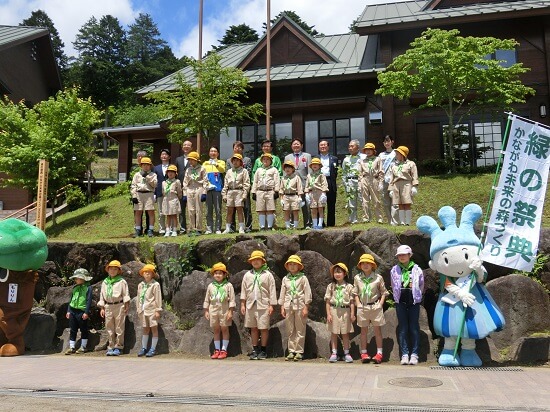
115 264
340 265
194 156
369 146
257 254
237 156
366 258
404 150
218 266
145 160
294 259
172 168
149 268
266 155
289 163
316 161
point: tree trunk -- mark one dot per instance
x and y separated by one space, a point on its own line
450 137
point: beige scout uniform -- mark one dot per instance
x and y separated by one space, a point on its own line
266 182
219 303
143 188
291 191
403 177
370 177
294 299
149 302
236 187
171 195
341 315
115 315
195 184
369 309
259 293
316 185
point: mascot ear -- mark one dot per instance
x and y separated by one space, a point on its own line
428 226
447 215
470 214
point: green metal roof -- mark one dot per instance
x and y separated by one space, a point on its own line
13 35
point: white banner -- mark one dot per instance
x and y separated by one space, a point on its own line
513 230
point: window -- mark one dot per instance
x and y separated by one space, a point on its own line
489 139
337 132
252 137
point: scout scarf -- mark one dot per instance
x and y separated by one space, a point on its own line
293 278
78 300
406 273
110 282
313 178
257 275
339 295
367 289
220 292
370 161
168 185
144 291
235 174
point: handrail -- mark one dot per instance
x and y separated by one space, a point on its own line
32 207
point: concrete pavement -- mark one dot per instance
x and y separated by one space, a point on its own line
275 384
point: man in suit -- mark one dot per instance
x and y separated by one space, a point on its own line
160 170
330 170
182 164
301 162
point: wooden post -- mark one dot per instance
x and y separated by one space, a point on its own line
199 85
268 74
42 195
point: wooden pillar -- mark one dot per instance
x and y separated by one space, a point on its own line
124 157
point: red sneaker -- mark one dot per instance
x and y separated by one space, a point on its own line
365 358
223 354
377 358
215 355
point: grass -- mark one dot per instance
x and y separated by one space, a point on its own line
112 220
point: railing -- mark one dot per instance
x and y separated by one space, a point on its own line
29 209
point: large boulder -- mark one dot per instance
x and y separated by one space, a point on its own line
381 244
173 262
130 273
317 270
211 251
534 349
236 256
94 339
280 247
40 330
93 257
188 300
57 301
317 342
334 245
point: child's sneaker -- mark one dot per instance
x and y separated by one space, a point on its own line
405 360
142 352
70 351
116 352
241 230
414 359
254 355
223 354
81 350
109 352
215 355
174 234
150 232
365 358
262 355
151 353
167 233
377 358
348 358
333 358
290 356
298 357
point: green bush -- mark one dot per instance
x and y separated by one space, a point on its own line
111 192
75 197
433 167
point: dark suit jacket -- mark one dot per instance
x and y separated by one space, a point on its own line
182 164
160 178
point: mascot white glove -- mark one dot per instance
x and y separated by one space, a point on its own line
477 266
466 297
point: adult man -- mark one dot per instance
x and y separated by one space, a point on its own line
183 164
350 176
301 162
160 170
238 148
330 170
388 157
267 147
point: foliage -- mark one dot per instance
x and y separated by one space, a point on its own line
57 129
236 35
137 114
433 167
297 19
538 268
217 104
120 189
454 74
183 265
75 197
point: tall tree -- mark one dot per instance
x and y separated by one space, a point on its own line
217 104
457 74
39 18
236 35
298 20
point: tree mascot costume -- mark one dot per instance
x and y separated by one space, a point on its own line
465 310
23 250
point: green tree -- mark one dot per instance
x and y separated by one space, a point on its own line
217 104
136 114
237 35
58 130
297 19
456 74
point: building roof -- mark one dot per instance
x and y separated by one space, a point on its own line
391 16
13 35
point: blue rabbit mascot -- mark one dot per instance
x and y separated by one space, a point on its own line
465 310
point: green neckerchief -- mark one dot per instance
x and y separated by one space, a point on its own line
288 179
220 290
339 295
293 278
78 300
235 174
313 177
168 185
400 166
257 275
144 291
406 273
194 173
110 282
367 289
370 161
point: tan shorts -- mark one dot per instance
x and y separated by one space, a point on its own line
265 200
370 315
217 317
235 198
291 202
256 318
402 193
315 203
147 321
146 201
341 321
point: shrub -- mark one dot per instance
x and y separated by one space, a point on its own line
433 167
122 188
75 197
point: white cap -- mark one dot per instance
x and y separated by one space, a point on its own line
404 250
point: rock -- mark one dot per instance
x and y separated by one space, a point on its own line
94 339
531 349
280 247
57 301
188 300
317 342
128 251
40 330
525 305
334 245
130 273
92 257
317 270
376 242
173 262
47 277
210 251
236 256
420 245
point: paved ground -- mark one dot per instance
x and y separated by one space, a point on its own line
57 381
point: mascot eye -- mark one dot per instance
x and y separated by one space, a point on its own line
466 256
446 261
4 273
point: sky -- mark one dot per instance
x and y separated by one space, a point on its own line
177 20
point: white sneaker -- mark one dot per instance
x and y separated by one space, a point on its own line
162 232
218 232
167 233
174 234
405 360
207 232
414 359
241 230
226 231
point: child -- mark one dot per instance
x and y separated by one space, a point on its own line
407 282
235 192
316 191
258 297
114 301
149 306
195 185
370 293
265 190
340 310
78 311
171 207
370 181
291 188
294 300
143 195
218 305
215 168
403 183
